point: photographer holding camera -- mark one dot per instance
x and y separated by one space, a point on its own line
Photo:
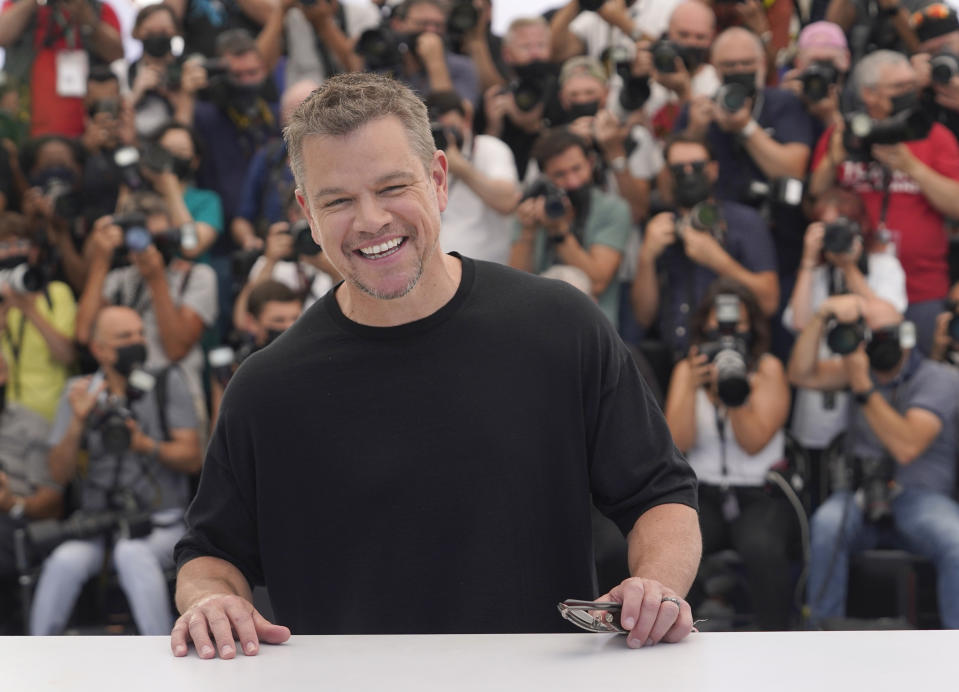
937 62
684 251
590 27
841 255
51 46
139 444
819 73
761 138
727 403
484 189
906 169
563 218
902 435
38 322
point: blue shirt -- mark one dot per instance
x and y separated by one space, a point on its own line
784 118
683 283
267 179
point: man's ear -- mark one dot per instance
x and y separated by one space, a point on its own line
304 205
439 173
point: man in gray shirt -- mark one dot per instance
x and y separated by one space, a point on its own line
149 470
902 433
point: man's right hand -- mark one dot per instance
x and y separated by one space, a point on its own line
81 399
660 234
221 615
279 242
812 245
845 308
106 237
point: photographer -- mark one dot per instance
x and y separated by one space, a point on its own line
107 128
162 85
50 47
150 465
204 22
27 493
760 136
901 435
937 62
566 219
841 255
945 344
176 298
727 403
908 186
270 308
484 189
684 251
874 24
37 321
819 73
590 27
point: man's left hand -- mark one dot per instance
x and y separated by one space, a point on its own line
947 95
25 302
734 122
149 263
895 157
701 247
650 612
857 369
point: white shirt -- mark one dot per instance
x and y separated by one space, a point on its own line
706 454
651 17
300 279
470 226
813 424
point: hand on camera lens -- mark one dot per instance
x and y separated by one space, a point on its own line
660 233
279 242
734 122
105 238
701 371
81 400
149 263
526 213
701 247
429 47
812 244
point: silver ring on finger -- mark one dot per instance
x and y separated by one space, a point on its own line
672 599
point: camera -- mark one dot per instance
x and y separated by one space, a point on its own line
729 353
779 192
944 67
817 78
875 477
381 50
224 360
590 5
127 160
303 243
552 195
110 420
839 235
533 85
664 54
137 237
635 90
66 202
463 17
733 96
844 337
23 278
707 217
862 131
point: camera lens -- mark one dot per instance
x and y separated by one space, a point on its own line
732 97
137 239
732 384
838 237
843 339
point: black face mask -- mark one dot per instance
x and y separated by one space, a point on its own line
691 188
746 79
271 336
579 198
580 110
884 350
536 70
129 357
182 168
157 45
904 102
13 261
45 176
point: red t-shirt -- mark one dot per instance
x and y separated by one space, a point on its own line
49 112
915 226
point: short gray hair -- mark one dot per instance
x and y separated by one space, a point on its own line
866 74
521 23
346 102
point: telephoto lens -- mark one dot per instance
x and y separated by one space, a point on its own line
844 337
665 53
944 67
817 78
839 236
732 97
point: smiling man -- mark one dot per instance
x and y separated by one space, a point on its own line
418 453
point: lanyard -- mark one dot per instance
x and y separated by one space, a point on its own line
721 430
15 348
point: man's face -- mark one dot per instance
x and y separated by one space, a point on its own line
582 88
691 26
689 156
157 24
529 44
373 207
106 90
569 170
276 317
118 329
55 154
737 54
246 69
178 143
894 80
423 17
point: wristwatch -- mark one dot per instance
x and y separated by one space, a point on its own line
557 239
18 509
862 397
618 164
748 129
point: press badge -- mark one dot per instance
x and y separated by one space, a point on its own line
72 69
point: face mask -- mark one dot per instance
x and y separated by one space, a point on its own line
691 189
746 79
129 357
536 70
580 110
157 45
904 102
272 335
884 352
13 261
44 177
182 168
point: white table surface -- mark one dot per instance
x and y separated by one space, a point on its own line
911 661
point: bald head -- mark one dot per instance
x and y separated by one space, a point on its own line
114 323
737 50
692 15
294 95
879 313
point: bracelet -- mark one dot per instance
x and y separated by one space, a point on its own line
618 164
862 398
748 129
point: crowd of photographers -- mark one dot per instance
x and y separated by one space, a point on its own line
762 195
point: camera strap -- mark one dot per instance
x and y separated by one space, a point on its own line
729 503
136 302
884 235
16 348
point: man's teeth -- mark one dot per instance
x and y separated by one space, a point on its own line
381 248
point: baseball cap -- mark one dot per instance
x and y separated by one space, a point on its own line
822 34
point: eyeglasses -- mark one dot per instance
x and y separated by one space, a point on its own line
932 12
592 616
